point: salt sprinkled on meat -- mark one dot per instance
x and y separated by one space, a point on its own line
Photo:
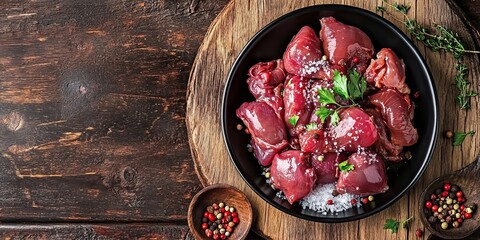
317 200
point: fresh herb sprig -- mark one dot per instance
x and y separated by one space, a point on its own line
394 224
345 166
442 39
351 89
459 137
464 95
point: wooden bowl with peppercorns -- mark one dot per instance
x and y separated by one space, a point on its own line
221 210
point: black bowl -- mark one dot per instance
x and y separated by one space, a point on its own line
269 44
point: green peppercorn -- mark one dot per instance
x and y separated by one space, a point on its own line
232 209
456 206
267 175
458 215
221 204
440 209
227 234
444 225
370 198
227 208
231 224
468 210
449 201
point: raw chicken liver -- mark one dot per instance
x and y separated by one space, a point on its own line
397 111
292 173
367 177
268 131
303 56
343 43
387 71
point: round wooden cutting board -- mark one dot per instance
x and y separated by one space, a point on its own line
233 27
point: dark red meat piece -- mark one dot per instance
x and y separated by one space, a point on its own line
345 45
312 141
265 82
387 70
368 176
292 173
326 166
267 129
354 130
303 56
297 102
264 77
383 145
397 111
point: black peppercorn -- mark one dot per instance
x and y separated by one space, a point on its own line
432 219
452 195
473 206
454 189
204 220
438 191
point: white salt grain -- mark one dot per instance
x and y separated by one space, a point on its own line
317 200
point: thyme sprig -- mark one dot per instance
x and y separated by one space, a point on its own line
464 95
442 39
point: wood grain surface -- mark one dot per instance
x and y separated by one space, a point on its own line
234 26
92 109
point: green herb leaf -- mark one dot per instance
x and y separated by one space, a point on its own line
311 126
357 85
326 96
323 113
293 120
340 84
459 137
392 225
345 167
334 118
381 9
401 8
406 222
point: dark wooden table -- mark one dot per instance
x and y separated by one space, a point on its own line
92 116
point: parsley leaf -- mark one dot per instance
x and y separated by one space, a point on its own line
381 9
326 96
459 137
340 85
334 118
323 113
293 120
392 225
357 85
311 126
345 167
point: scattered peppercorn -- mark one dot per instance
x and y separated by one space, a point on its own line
418 233
219 220
416 95
446 205
448 134
330 202
239 127
370 198
364 200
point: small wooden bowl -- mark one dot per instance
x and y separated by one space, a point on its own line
217 193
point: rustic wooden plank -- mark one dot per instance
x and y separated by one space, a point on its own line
92 108
227 35
93 231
